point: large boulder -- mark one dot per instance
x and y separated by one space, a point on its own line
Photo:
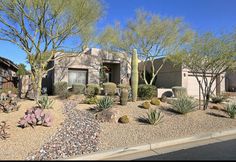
109 115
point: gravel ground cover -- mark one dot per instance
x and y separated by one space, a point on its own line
173 125
78 135
24 141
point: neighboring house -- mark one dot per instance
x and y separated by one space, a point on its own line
8 69
86 68
171 75
230 80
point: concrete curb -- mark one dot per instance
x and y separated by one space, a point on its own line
146 147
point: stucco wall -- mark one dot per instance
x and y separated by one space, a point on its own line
90 60
167 77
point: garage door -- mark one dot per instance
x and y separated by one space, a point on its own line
193 86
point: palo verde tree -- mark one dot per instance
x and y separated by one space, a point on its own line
41 27
151 35
207 57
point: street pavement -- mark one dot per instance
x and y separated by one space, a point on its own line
217 151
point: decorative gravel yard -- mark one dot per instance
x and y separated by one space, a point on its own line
173 125
75 130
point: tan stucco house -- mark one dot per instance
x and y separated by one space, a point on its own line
85 68
170 76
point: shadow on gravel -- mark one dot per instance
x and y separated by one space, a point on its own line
169 110
216 115
143 120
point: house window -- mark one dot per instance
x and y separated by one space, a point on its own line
1 79
77 76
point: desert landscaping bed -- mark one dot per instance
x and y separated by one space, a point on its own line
23 141
173 125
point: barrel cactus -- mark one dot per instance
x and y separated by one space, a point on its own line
124 96
134 75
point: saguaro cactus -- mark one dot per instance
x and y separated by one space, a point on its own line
134 75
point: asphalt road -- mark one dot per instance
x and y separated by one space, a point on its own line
217 151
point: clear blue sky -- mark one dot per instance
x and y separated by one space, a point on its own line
202 15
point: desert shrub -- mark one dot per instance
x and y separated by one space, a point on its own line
146 92
146 105
92 90
9 104
217 99
184 104
121 86
3 127
154 117
155 101
105 103
12 89
124 96
124 119
60 89
91 100
231 109
78 88
163 98
179 91
44 102
109 88
35 116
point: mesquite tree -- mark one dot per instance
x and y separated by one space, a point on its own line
41 27
207 58
151 35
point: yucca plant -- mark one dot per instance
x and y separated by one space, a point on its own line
105 103
231 110
184 104
154 117
44 102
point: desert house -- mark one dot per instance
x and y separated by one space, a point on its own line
8 77
171 75
86 68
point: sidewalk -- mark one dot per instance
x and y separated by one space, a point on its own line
158 147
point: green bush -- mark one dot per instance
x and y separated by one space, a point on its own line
217 99
155 101
184 104
146 92
92 90
44 102
78 88
231 110
179 91
163 98
109 88
60 89
121 86
154 117
124 119
91 100
105 103
6 90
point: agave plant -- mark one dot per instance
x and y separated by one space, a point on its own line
154 117
44 102
105 103
231 110
184 104
35 116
